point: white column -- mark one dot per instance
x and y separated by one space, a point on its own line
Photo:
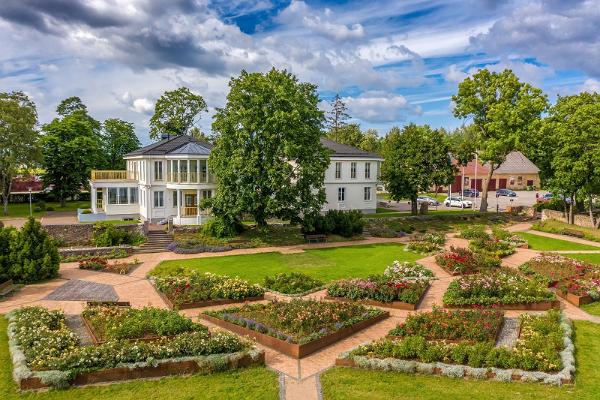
178 203
93 195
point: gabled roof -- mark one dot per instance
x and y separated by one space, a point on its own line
182 144
517 163
343 150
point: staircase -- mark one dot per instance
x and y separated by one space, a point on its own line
157 242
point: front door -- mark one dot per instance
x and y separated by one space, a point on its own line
502 183
190 208
190 200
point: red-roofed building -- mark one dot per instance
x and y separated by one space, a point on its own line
22 184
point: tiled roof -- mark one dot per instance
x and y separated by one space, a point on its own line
343 150
182 144
517 163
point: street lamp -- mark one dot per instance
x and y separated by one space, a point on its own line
30 203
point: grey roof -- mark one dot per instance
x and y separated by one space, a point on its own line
517 163
182 144
343 150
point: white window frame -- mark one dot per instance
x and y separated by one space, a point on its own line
158 170
338 170
353 170
367 170
341 194
159 199
367 193
122 198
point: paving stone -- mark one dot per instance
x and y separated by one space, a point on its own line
75 323
509 333
79 290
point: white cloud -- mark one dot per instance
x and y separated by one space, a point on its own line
377 106
454 74
143 106
591 86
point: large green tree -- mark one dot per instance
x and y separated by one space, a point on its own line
503 110
71 148
416 158
371 141
463 144
268 157
349 134
19 139
573 125
118 139
176 112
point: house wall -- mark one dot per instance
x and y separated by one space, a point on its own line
354 186
470 182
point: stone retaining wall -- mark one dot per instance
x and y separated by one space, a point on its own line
81 234
580 219
93 251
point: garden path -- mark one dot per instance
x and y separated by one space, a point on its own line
564 237
300 378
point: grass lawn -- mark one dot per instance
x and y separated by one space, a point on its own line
543 243
387 213
346 383
592 308
252 383
592 258
554 226
21 210
324 264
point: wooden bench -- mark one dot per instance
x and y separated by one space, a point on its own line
316 238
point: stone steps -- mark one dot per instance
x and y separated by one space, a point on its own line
157 242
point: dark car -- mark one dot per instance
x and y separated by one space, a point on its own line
471 193
506 192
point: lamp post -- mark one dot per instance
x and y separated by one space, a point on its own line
30 203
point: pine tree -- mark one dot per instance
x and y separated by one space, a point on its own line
337 117
34 254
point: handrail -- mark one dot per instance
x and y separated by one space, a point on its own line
189 211
111 175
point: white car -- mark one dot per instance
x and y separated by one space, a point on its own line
457 202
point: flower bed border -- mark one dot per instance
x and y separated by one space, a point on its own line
535 306
296 350
204 303
566 376
28 379
575 299
397 305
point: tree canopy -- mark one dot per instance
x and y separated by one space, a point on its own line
337 116
176 112
503 110
118 139
416 158
268 158
19 139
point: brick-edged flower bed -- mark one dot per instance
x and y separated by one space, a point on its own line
46 353
581 290
293 284
452 325
427 243
401 286
205 289
544 352
299 327
462 261
553 268
102 264
503 289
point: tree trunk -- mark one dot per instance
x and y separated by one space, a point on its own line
413 206
484 192
591 207
6 187
572 210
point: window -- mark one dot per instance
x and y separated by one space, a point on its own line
123 195
159 200
353 170
203 171
158 170
341 194
206 194
519 180
367 193
175 199
338 170
133 195
193 170
511 181
368 170
112 195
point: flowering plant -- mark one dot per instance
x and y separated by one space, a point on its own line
552 268
409 271
206 286
492 246
292 283
102 264
297 321
501 287
459 260
586 286
379 288
427 243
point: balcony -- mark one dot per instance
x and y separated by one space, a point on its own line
107 175
189 177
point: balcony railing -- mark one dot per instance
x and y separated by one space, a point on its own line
113 175
189 211
189 177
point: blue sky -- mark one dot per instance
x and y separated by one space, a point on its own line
393 62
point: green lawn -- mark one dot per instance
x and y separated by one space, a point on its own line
324 264
537 242
346 383
553 226
387 213
21 210
250 384
592 258
592 308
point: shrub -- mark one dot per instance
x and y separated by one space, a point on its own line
107 235
292 283
219 227
41 205
34 254
6 237
474 232
339 222
94 264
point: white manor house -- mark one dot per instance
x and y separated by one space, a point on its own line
167 180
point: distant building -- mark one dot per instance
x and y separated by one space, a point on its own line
517 172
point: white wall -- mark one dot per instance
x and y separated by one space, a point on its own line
354 187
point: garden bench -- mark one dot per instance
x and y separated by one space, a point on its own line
316 238
573 232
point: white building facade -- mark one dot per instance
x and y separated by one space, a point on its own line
167 181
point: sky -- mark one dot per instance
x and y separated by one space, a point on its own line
393 62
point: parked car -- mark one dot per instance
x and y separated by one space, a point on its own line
457 202
429 200
548 197
471 193
506 192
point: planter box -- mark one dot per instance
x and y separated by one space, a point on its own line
293 349
205 303
393 337
166 368
398 305
97 341
539 306
575 299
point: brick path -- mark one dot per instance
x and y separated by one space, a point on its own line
300 377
